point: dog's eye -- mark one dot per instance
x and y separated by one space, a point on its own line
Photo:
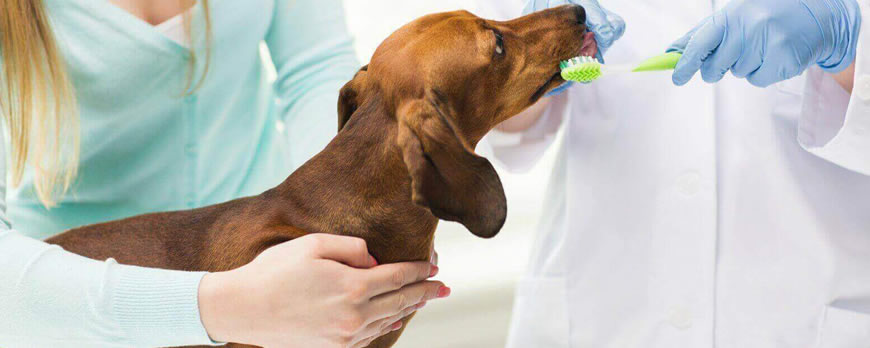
499 43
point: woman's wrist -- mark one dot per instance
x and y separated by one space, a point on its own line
314 291
846 78
215 301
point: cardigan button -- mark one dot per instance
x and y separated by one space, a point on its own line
190 149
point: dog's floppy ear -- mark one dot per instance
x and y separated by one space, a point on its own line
350 97
447 177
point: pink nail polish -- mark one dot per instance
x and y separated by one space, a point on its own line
396 326
443 292
374 261
433 271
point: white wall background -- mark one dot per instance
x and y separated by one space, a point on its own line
482 273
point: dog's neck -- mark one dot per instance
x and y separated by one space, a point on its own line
359 185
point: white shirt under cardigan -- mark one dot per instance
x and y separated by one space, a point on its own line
719 215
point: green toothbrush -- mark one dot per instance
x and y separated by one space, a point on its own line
588 69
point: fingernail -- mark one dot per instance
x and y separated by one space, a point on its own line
420 305
374 261
397 325
443 292
433 270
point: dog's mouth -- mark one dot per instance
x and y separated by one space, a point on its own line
589 48
554 81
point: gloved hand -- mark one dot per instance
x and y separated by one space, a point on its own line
607 26
768 41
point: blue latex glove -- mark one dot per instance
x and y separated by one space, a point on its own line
607 26
768 41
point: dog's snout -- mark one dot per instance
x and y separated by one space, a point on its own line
580 13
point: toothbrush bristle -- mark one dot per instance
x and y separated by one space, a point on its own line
581 69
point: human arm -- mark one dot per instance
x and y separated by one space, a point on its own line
314 57
768 41
53 298
313 291
327 291
835 118
846 78
520 142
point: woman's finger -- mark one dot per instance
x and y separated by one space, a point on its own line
390 277
401 316
433 257
389 328
395 302
380 327
351 251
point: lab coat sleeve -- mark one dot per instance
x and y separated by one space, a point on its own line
835 125
519 152
314 57
53 298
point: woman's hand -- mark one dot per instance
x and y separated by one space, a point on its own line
314 291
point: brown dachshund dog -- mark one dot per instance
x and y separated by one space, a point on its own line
403 157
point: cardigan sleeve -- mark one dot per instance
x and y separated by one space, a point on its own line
314 57
52 298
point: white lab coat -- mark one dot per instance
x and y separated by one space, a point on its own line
697 216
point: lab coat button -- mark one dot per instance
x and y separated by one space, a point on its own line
689 183
680 318
862 87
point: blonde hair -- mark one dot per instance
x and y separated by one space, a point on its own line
38 101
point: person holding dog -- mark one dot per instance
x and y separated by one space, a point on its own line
732 214
123 107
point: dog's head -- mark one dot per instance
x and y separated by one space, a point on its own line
448 79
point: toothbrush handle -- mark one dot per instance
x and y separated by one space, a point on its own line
616 69
667 61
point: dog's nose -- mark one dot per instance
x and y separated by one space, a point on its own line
580 12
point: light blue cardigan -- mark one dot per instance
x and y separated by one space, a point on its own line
147 148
